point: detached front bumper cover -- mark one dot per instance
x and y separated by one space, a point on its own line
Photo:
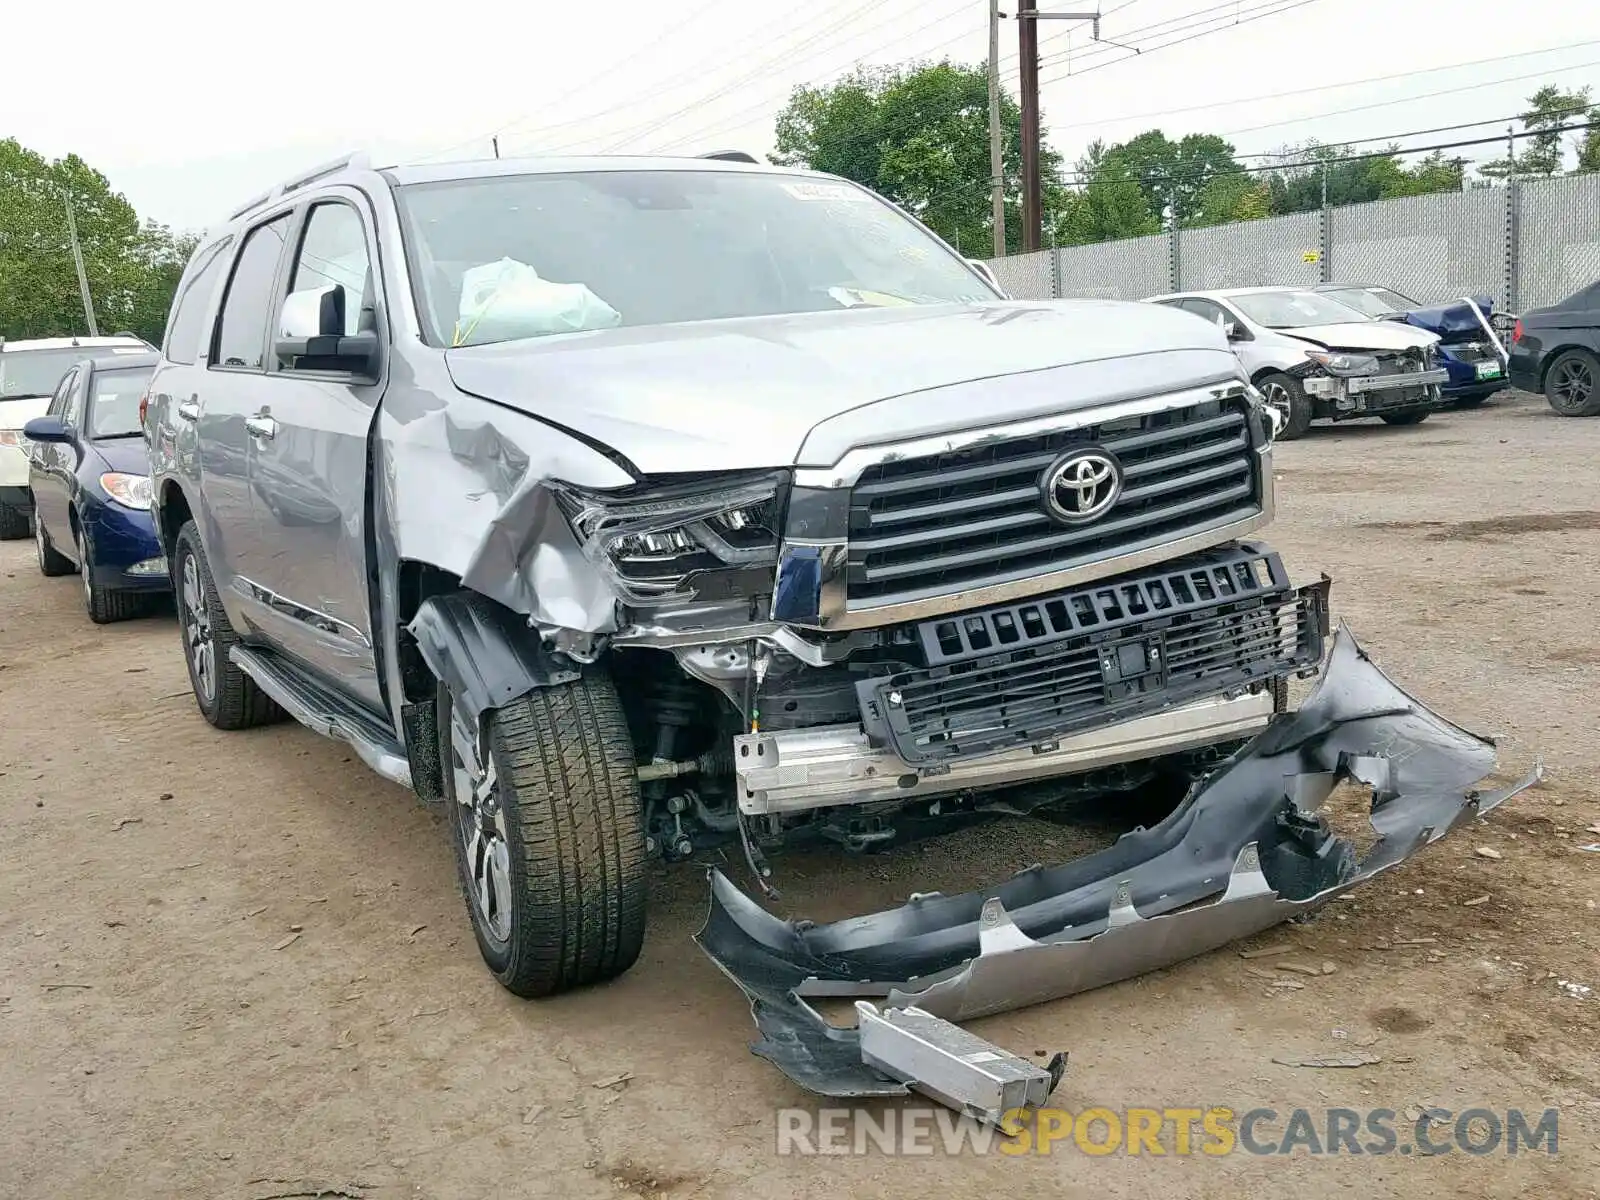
1245 850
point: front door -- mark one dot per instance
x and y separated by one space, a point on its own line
308 467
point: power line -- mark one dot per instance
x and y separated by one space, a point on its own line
1231 6
788 60
1258 15
723 124
1328 87
1196 176
765 34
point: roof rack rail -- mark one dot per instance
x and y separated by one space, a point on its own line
356 160
731 156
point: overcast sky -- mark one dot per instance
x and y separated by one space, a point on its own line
191 108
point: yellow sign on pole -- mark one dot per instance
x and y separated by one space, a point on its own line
1311 256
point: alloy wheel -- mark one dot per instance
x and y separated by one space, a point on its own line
481 825
1277 396
197 641
1572 383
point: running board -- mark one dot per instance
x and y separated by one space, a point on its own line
324 712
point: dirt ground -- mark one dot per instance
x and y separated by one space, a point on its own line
162 1036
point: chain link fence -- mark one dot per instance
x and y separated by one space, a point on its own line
1529 244
1426 247
1285 250
1558 239
1126 270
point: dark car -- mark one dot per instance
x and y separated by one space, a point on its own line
1556 350
1466 349
90 484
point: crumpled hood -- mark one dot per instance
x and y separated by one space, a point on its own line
1452 322
1363 335
741 393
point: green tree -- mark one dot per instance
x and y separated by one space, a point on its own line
1107 204
1545 152
919 135
1173 174
132 268
1235 197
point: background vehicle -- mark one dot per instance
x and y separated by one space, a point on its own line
29 372
1312 361
772 520
1556 350
1476 365
90 482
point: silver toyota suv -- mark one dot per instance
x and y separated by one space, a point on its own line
624 506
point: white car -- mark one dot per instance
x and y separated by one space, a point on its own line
1314 358
29 373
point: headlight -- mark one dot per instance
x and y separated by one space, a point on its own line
658 542
130 491
1337 363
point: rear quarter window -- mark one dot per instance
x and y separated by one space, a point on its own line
193 302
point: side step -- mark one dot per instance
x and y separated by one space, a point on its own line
328 713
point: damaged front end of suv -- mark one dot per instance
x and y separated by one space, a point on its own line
867 650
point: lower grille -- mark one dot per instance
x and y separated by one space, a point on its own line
1142 656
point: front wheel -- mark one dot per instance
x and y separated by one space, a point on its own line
104 605
544 813
1572 385
1286 394
1412 416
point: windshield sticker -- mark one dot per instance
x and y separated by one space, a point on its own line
836 192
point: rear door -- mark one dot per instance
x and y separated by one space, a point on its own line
222 395
50 466
308 463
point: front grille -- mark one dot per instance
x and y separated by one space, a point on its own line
1222 622
971 518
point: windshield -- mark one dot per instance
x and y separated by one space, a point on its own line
114 403
1291 310
1400 303
1363 301
528 255
36 372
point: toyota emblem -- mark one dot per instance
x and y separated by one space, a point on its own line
1083 486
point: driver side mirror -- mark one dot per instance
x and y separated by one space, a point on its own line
311 335
47 429
1235 332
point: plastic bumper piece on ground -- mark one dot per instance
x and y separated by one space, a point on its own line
1247 849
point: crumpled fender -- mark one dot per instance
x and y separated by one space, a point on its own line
1245 850
483 653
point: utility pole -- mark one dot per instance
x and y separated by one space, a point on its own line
495 142
1028 18
77 259
1028 68
997 182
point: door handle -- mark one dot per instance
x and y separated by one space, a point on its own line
189 410
261 426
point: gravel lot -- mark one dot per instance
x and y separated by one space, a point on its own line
160 1035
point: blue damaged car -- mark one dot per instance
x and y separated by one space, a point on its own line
90 482
1467 350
